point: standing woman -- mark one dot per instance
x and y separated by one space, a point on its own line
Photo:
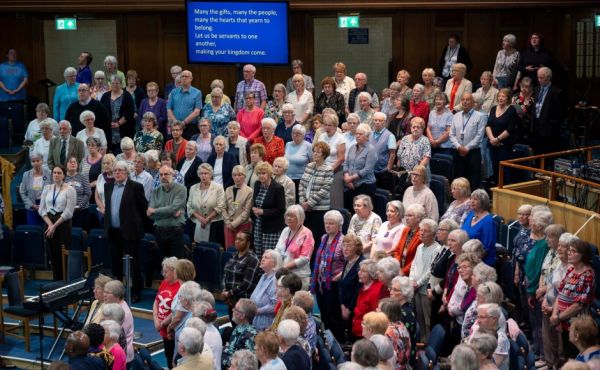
298 152
274 146
285 124
403 78
218 112
91 165
314 188
370 293
365 223
330 98
419 106
204 139
188 165
265 292
328 268
479 224
410 238
100 85
487 94
359 167
56 208
391 230
238 205
205 206
87 118
501 133
398 121
149 137
161 309
429 90
296 244
257 154
237 144
349 283
335 159
507 61
301 99
524 104
438 128
533 58
280 167
414 149
461 205
250 117
274 107
343 84
240 272
268 210
65 94
156 105
120 108
457 86
222 162
32 186
365 113
137 92
108 164
81 184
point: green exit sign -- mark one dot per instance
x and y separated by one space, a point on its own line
597 20
348 21
66 24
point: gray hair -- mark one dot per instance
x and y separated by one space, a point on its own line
482 272
176 69
251 67
370 267
353 116
127 143
190 291
111 59
115 286
490 292
142 157
197 323
304 300
207 167
283 161
398 205
289 331
395 85
85 114
484 343
69 71
492 309
99 74
512 39
151 155
113 311
405 286
35 155
222 138
64 122
429 223
149 116
206 296
115 78
276 256
482 197
233 123
112 328
268 122
169 262
299 128
192 144
297 211
546 71
464 358
419 86
365 129
384 346
46 123
244 360
248 308
191 340
524 208
380 114
461 235
121 165
389 267
417 209
217 83
474 246
365 199
567 239
542 218
287 107
366 95
334 215
555 230
216 91
448 223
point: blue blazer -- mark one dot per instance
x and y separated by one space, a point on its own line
349 286
229 161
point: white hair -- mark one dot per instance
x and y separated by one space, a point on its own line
112 328
191 340
384 346
69 71
268 122
405 286
197 323
85 114
289 331
113 311
127 143
121 165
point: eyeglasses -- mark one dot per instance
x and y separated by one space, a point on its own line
443 230
165 174
571 250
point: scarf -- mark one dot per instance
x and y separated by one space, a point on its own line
327 254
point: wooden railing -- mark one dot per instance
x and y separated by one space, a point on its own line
554 176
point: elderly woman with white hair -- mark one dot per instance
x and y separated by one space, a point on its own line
42 145
108 165
161 309
218 111
482 274
402 292
387 269
236 143
187 167
365 111
149 137
296 244
301 99
439 123
204 139
99 85
484 345
359 167
461 205
488 318
507 61
65 94
455 241
34 131
265 292
128 152
286 123
336 158
280 167
244 359
222 162
456 86
479 224
120 107
385 350
275 105
274 145
294 356
419 107
365 223
205 205
328 268
298 152
389 231
111 69
191 349
464 357
384 143
370 293
486 95
114 292
188 295
87 118
32 186
420 270
238 205
463 293
112 331
420 193
214 84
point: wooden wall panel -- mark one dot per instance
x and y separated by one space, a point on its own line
417 50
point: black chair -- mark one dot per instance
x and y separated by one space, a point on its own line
212 245
347 216
436 338
30 250
442 167
380 201
77 239
6 251
98 245
208 266
438 187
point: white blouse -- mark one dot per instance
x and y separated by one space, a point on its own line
56 200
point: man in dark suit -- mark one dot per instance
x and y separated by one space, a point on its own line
548 115
64 146
83 103
126 207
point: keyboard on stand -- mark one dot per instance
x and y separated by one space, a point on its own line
59 298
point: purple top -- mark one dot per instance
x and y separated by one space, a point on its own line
160 111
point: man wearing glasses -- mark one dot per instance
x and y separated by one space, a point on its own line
85 102
185 104
250 84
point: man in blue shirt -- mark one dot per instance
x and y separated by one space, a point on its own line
185 103
84 73
13 78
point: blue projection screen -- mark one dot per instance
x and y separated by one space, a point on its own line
237 32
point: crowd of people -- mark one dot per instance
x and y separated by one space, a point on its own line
274 176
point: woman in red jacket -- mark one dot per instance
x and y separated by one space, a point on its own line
370 293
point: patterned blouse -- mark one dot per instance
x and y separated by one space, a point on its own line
218 119
457 212
411 152
523 245
575 288
438 123
410 322
145 141
366 229
401 342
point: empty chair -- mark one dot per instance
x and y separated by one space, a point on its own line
98 245
77 239
380 200
208 266
30 248
442 167
438 187
212 245
6 253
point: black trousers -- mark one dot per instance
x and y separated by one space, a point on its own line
331 314
366 189
62 236
118 247
469 167
170 241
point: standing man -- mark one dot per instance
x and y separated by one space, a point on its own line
549 113
167 209
250 84
13 78
185 103
126 206
465 135
360 79
84 73
64 146
85 102
175 72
